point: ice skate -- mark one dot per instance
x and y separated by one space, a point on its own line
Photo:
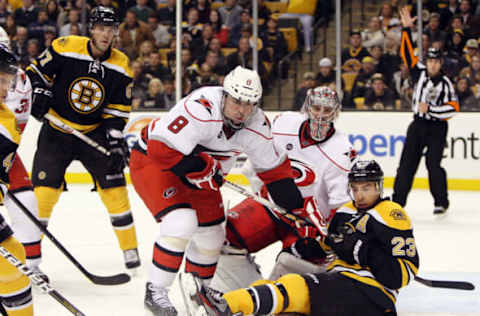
157 301
439 211
202 300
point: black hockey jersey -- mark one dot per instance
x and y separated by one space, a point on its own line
85 91
392 254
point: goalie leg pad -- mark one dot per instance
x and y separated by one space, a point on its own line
235 271
288 263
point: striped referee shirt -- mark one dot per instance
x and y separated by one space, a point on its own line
437 92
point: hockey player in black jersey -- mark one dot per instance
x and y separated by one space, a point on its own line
373 241
86 84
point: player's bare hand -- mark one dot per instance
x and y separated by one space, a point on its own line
423 107
406 18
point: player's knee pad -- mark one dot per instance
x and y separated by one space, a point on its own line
287 263
115 199
18 303
180 224
47 197
9 272
235 269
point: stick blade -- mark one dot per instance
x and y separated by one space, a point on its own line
116 279
457 285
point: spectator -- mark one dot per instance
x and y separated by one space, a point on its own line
275 46
326 75
132 33
75 29
388 63
33 49
37 28
212 61
166 15
433 29
48 36
4 12
373 36
26 14
10 26
243 57
19 43
154 96
215 47
54 12
355 49
379 96
465 13
263 11
73 18
220 30
455 44
159 31
203 8
456 23
189 67
140 81
144 52
363 80
472 50
192 27
230 13
466 98
307 84
403 86
387 18
155 69
168 92
472 72
236 32
142 10
447 13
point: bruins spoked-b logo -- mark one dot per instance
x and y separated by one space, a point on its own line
85 94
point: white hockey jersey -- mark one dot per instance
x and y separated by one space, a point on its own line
195 124
321 169
19 99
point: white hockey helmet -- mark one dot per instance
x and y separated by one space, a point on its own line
322 107
4 39
243 85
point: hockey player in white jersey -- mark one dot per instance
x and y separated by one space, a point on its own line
321 157
19 101
177 168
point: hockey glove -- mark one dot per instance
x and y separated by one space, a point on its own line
349 245
307 249
310 212
118 148
41 101
210 178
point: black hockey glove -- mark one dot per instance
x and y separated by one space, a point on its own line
120 155
41 102
349 245
307 249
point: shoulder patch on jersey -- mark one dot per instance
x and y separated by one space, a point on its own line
118 61
203 101
351 154
393 215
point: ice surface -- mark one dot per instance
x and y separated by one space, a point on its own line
448 247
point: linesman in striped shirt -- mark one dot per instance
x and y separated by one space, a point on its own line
434 102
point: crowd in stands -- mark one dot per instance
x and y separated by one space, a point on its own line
216 37
373 74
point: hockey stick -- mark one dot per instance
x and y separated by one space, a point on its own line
290 216
38 281
101 280
74 132
458 285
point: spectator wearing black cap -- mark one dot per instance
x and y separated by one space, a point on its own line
355 49
379 96
434 101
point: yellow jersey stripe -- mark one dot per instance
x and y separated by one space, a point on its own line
120 107
411 266
405 274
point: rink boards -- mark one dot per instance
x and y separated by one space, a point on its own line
375 135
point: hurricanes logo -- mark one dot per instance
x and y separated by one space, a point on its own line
86 94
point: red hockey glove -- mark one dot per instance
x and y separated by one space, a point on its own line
210 178
310 213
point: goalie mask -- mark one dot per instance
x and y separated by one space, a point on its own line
322 108
243 90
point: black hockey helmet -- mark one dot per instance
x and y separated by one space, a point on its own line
434 53
8 61
104 16
365 170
